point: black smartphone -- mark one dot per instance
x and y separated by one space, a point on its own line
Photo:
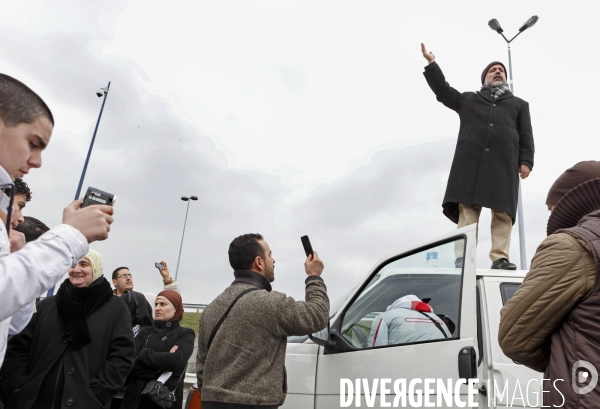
159 266
307 247
95 196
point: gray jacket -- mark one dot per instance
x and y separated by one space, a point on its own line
246 361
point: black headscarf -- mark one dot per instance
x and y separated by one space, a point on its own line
75 304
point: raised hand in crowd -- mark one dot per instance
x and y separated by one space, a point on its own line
164 272
313 265
92 221
428 55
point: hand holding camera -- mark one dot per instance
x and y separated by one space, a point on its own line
163 269
92 221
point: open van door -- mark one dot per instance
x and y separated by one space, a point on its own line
379 347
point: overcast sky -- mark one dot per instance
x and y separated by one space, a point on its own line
287 118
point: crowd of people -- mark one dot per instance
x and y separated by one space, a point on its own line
96 346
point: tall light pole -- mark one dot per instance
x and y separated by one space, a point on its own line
102 92
495 25
185 199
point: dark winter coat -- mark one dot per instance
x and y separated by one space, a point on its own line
139 308
152 345
90 376
495 137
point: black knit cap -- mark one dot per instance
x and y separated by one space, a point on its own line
490 65
576 203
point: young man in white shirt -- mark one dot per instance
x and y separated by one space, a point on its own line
26 125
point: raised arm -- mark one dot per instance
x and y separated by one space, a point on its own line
305 317
444 93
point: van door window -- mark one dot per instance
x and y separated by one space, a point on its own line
413 299
508 290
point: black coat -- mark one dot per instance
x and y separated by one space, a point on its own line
139 308
495 137
153 358
91 375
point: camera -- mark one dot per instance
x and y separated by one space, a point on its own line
95 196
100 93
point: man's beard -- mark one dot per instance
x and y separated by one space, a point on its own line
496 84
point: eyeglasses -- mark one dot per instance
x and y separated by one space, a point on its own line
125 276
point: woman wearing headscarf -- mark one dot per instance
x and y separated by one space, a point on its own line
164 347
76 351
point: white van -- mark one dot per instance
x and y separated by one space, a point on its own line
339 367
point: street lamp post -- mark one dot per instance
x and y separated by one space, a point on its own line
185 199
102 92
495 25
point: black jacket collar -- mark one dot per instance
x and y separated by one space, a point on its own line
250 277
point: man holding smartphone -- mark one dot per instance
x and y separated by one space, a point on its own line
26 125
249 324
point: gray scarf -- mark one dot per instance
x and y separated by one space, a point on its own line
497 92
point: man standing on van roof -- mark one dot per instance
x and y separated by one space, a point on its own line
551 324
495 145
241 364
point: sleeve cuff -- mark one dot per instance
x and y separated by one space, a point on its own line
313 278
527 163
430 66
76 242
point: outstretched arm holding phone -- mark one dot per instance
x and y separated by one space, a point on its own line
168 282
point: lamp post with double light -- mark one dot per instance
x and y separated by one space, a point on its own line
188 200
495 25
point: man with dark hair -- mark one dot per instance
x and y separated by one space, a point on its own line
22 196
551 324
31 228
494 147
20 105
139 307
26 126
246 365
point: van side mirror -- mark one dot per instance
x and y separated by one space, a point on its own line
322 337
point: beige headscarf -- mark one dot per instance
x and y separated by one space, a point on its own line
97 264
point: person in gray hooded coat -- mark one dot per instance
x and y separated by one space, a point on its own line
407 320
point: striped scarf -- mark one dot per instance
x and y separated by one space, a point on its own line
497 92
